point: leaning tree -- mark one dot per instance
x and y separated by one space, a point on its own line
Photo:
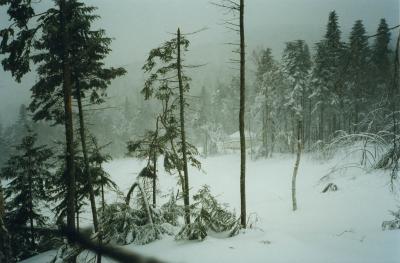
168 84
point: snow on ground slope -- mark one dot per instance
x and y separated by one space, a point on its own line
342 226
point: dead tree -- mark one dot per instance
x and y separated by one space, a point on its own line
238 9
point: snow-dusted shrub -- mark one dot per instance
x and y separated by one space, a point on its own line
125 225
171 211
392 224
66 253
208 215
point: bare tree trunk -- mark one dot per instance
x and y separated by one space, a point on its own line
77 215
296 165
155 179
69 133
205 151
103 201
321 123
146 203
183 137
264 132
31 210
241 120
87 166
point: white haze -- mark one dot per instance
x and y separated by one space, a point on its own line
139 25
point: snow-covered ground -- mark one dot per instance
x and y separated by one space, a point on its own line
342 226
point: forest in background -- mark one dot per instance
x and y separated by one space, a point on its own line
314 98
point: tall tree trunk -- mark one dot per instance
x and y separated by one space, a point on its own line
309 121
296 165
103 201
205 151
77 214
241 120
69 133
32 231
321 123
86 161
155 179
183 137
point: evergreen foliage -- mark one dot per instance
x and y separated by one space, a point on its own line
208 216
26 171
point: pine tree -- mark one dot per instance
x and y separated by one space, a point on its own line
358 70
296 66
266 81
90 78
21 42
161 84
327 95
101 179
27 171
381 60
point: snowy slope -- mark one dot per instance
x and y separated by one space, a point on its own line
342 226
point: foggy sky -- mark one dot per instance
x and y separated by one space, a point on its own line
140 25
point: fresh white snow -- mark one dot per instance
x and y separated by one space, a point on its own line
332 227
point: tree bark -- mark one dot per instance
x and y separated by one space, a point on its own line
155 179
146 203
87 166
69 133
241 120
296 165
321 123
31 209
183 137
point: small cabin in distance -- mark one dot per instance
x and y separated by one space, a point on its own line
232 142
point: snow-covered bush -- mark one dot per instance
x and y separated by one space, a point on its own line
171 211
125 225
392 224
66 253
208 216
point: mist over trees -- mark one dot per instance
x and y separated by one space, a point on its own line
314 98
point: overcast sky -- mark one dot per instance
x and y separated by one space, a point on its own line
139 25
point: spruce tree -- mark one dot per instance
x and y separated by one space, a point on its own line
328 97
296 67
381 61
358 77
27 172
168 84
21 44
264 63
